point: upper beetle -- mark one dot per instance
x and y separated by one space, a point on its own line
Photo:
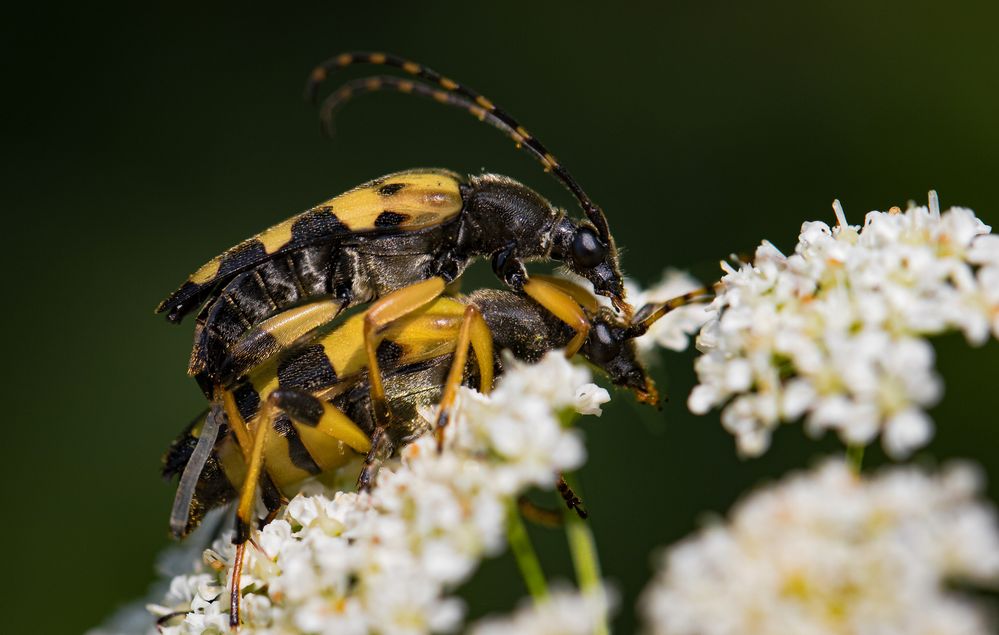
397 241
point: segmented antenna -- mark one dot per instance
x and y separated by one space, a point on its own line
451 93
652 312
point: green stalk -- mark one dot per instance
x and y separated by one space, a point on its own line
585 560
523 551
855 458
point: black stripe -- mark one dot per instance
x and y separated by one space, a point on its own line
306 368
297 451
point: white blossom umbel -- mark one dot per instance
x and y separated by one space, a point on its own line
384 562
826 553
836 331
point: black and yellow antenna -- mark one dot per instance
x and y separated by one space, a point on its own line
446 91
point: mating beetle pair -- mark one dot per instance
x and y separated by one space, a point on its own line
270 358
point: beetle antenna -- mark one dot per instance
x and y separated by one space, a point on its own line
652 312
375 83
484 110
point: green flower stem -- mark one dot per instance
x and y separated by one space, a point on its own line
855 458
584 556
523 551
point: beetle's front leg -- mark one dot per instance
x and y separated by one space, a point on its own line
509 268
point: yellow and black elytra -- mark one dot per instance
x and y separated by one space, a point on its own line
309 409
410 233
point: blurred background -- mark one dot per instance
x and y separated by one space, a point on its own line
141 142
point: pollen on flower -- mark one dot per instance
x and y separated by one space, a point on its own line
836 332
826 552
387 561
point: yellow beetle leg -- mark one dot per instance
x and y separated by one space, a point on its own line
382 313
244 510
474 333
562 306
579 293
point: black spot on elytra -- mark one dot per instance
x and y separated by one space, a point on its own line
389 353
390 219
390 189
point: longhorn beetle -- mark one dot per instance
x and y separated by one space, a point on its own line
307 411
396 242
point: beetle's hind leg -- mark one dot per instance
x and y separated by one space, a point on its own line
474 333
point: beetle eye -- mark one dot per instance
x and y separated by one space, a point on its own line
587 250
603 345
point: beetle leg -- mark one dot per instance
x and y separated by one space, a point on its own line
192 471
244 509
583 296
381 446
382 313
572 501
474 332
562 306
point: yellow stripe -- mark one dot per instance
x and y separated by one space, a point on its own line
207 272
327 452
277 236
277 461
430 197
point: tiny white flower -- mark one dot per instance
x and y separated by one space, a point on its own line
589 398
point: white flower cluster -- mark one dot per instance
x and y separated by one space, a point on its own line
836 331
384 562
565 612
826 553
673 330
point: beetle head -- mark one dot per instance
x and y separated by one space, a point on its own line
611 347
594 257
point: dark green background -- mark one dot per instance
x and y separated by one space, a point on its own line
139 144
